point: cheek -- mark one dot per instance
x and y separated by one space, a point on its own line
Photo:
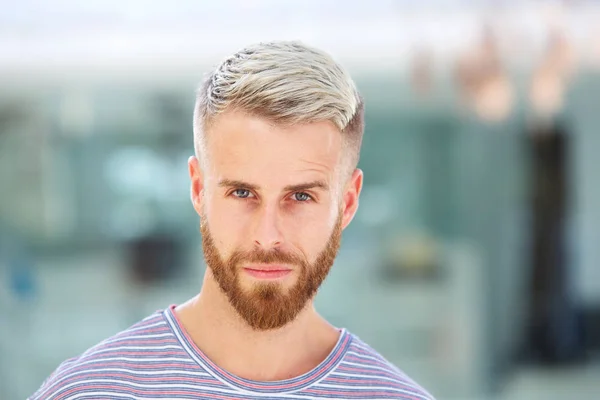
227 225
309 232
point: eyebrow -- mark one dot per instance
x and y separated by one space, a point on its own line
290 188
306 186
237 184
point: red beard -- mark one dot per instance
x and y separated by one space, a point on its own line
268 305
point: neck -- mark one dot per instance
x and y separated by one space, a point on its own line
222 335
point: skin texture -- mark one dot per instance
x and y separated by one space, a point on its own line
269 197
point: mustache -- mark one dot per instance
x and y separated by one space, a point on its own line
266 257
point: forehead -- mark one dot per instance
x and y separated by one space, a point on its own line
240 146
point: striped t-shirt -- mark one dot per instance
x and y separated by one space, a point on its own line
156 359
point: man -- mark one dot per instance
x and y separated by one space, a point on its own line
277 133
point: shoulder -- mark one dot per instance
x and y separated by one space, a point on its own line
100 364
364 366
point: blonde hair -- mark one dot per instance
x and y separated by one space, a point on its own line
286 83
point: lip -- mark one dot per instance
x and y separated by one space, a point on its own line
267 271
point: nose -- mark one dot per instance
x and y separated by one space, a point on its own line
267 234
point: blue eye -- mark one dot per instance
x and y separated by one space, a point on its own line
242 193
301 196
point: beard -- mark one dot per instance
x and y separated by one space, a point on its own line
269 305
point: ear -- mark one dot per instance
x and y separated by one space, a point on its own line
350 197
197 184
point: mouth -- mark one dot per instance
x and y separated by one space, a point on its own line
267 271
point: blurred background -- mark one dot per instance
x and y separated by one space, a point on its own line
473 261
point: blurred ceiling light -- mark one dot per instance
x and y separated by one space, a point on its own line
551 77
546 91
483 81
494 98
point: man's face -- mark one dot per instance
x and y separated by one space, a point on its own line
273 202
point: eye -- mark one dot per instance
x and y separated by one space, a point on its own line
242 193
301 196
